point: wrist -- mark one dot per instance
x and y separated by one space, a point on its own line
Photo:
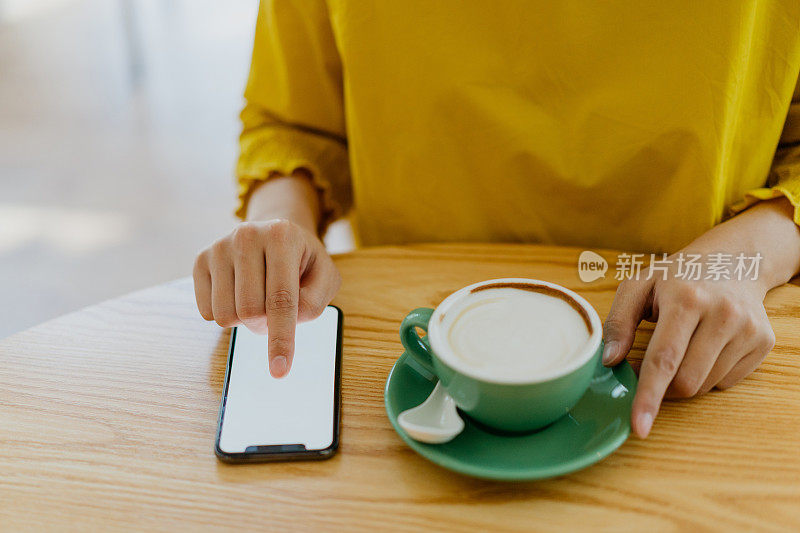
766 230
292 197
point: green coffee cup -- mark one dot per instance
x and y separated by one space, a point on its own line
519 404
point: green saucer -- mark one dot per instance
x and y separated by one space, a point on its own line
594 428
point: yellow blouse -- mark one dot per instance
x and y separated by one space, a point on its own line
616 124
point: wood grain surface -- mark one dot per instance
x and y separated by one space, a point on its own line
109 415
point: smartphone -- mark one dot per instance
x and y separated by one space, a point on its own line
262 418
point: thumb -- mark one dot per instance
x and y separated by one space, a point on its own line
627 311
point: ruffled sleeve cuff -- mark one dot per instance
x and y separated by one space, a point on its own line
757 195
785 177
279 150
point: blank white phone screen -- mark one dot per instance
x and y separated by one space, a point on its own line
297 409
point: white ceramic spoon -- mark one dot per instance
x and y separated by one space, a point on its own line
435 420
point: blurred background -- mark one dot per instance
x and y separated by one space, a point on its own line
118 130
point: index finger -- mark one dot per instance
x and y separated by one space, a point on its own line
661 361
283 289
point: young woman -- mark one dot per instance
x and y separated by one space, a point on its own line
639 126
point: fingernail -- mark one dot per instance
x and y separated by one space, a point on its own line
277 366
645 423
609 352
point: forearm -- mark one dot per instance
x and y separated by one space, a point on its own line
766 228
291 197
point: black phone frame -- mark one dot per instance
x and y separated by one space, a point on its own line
285 452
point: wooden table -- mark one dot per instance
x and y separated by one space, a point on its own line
109 414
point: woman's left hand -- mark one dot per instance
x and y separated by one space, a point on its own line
708 334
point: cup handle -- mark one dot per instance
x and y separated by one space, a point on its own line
414 345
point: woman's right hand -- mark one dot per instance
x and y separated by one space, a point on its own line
272 273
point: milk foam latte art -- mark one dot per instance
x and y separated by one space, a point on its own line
514 332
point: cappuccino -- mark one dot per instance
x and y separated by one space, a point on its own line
514 354
512 331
